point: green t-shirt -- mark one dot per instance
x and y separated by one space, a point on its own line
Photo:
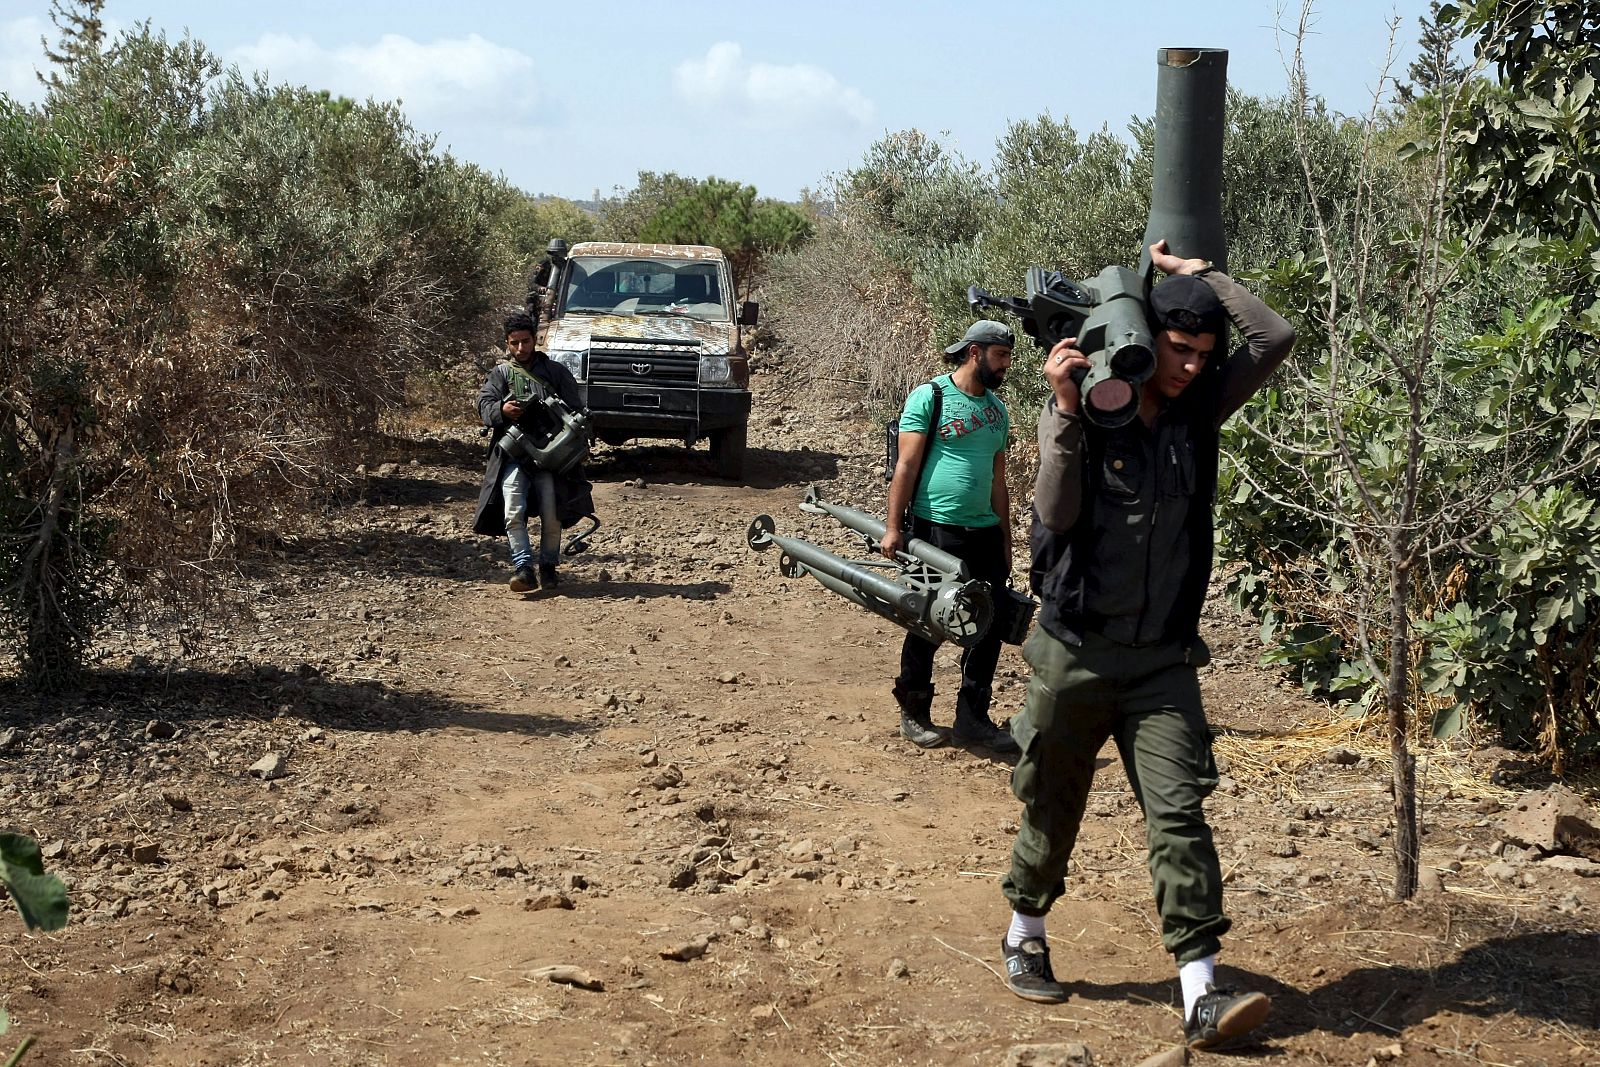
956 485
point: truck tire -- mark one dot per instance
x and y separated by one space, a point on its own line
727 451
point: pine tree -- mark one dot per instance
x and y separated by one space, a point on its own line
1436 69
82 38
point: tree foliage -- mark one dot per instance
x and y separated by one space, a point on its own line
624 215
214 283
849 314
41 898
82 38
1437 71
728 215
1431 545
527 225
925 208
1530 137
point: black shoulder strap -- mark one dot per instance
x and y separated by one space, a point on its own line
934 414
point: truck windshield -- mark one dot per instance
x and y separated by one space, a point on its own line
613 285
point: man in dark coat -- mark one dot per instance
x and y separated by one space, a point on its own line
508 489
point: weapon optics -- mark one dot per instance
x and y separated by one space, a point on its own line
925 589
1107 313
556 438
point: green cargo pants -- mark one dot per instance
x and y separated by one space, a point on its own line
1149 700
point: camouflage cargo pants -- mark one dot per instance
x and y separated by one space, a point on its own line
1148 699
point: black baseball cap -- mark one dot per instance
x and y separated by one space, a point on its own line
1186 303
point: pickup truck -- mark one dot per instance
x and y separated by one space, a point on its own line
650 333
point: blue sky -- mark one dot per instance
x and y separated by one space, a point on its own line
571 97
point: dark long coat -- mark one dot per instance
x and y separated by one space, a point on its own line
574 494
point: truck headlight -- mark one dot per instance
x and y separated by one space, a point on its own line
573 361
715 370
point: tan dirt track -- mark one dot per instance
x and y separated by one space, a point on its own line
679 751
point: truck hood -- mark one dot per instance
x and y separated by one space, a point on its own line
576 333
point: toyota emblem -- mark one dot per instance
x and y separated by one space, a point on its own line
641 369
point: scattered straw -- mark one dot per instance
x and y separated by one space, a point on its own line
971 957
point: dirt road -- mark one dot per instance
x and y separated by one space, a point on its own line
685 755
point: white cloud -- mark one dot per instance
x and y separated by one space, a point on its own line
766 94
442 84
21 55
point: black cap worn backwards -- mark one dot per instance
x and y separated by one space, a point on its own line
1186 303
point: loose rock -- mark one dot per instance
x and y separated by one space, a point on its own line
566 974
1064 1055
546 900
1176 1056
1553 820
272 766
689 950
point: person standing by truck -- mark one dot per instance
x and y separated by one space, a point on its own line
959 503
544 284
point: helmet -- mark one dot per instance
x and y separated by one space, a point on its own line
556 247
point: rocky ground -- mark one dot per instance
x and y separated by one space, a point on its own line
663 816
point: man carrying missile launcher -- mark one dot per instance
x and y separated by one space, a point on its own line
540 303
511 388
1124 523
959 503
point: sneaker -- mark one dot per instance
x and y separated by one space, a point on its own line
523 580
1028 973
1222 1014
985 734
920 731
547 576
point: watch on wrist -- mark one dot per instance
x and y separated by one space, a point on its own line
1207 269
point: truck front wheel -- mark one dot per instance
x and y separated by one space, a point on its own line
727 451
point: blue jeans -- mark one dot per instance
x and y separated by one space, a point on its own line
515 485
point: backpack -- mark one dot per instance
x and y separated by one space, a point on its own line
891 437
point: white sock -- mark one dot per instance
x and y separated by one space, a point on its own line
1194 976
1024 927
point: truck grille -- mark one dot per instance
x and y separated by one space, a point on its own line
625 367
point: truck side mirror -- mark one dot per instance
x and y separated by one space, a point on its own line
749 312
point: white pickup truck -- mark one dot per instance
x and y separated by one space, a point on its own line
651 335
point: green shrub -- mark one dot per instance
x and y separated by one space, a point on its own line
213 283
728 216
851 317
527 225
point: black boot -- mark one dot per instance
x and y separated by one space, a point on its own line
916 717
974 727
548 579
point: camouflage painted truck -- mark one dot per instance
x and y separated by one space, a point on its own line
651 334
